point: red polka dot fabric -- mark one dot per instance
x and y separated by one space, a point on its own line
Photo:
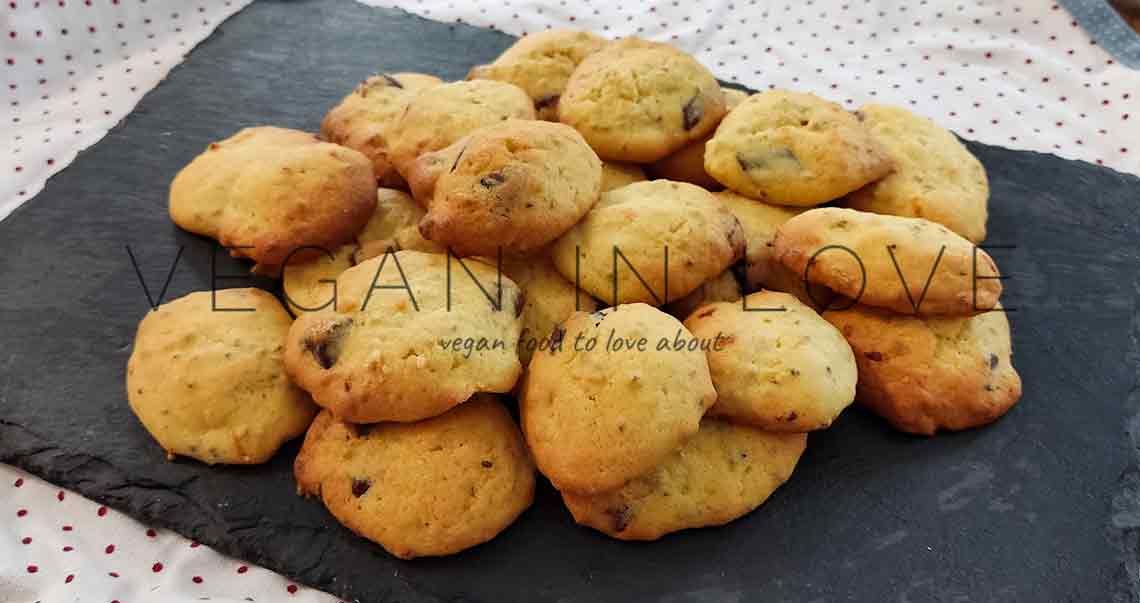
59 546
1022 75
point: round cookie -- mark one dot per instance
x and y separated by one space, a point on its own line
724 287
210 384
396 224
309 286
541 63
406 341
688 163
639 101
596 418
438 116
776 370
720 475
793 148
935 176
434 487
860 255
513 187
364 119
550 299
641 222
265 192
616 174
925 374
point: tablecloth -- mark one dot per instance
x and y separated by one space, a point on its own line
1025 75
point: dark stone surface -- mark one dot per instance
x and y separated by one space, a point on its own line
1041 506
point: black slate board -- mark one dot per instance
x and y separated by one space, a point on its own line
1042 506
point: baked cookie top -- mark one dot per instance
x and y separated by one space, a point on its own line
396 224
724 472
310 285
616 174
513 186
206 377
779 365
412 335
637 100
265 192
438 116
724 287
926 374
637 229
935 177
434 487
597 418
760 221
541 63
364 119
868 257
792 148
688 163
550 299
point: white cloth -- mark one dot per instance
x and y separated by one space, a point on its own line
1019 75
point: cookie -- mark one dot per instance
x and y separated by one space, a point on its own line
926 374
908 265
206 378
541 63
365 118
792 148
724 287
509 187
639 101
935 176
688 163
430 488
309 286
777 370
396 224
616 174
266 191
720 475
550 299
411 335
598 415
639 229
438 116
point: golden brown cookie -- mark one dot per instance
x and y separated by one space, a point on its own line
925 374
550 299
509 187
720 475
265 192
688 163
309 286
778 370
724 287
598 415
364 119
438 116
616 174
406 341
639 101
868 257
396 224
935 177
434 487
639 228
541 63
792 148
207 381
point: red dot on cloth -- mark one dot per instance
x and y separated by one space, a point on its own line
151 533
27 540
195 545
1123 149
242 569
292 588
68 549
110 549
197 579
59 495
67 528
21 512
11 61
33 569
157 567
113 574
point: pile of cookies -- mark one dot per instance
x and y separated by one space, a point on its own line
446 249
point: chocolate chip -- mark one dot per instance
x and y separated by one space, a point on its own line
693 111
391 80
492 180
876 356
993 361
520 301
620 516
325 346
990 387
360 486
363 430
859 115
550 100
792 416
487 464
765 159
